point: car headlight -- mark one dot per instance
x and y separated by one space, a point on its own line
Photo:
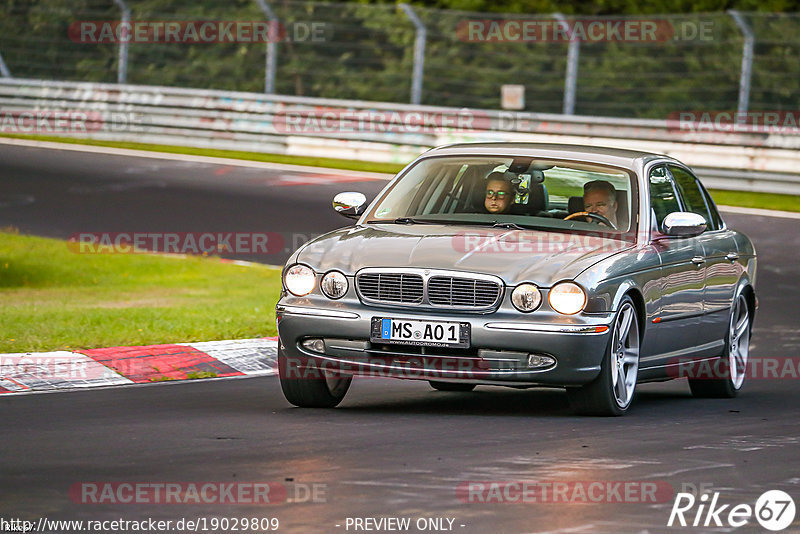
299 280
334 285
567 297
526 297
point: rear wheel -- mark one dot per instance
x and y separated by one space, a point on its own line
451 386
737 352
611 393
305 385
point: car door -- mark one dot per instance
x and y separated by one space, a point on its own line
680 307
720 268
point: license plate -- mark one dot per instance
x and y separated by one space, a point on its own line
426 333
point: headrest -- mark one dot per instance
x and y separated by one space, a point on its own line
575 204
537 201
622 209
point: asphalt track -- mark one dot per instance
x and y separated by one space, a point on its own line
393 448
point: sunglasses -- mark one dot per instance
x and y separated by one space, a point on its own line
500 194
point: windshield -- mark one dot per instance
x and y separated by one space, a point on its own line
511 191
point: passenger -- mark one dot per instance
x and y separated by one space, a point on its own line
499 194
600 197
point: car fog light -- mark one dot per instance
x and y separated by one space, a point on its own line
334 285
567 297
299 280
526 297
314 345
540 360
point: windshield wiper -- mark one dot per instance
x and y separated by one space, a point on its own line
399 220
509 225
493 224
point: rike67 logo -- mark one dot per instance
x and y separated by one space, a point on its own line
774 510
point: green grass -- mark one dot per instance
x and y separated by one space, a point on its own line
769 201
52 298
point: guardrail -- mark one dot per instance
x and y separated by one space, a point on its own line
743 159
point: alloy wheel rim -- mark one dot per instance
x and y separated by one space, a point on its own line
739 349
625 355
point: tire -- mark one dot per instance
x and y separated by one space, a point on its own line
305 385
737 352
612 392
451 386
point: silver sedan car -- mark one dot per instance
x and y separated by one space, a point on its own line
523 265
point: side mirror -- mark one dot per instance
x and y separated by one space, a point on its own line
350 204
684 224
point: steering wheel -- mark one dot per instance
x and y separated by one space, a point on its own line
590 215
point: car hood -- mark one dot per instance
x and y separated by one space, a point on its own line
542 257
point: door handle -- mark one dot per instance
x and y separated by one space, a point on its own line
698 260
732 256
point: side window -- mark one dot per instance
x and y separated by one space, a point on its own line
692 194
663 200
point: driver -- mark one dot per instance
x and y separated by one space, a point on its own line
499 193
600 197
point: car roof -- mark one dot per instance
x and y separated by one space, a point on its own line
603 155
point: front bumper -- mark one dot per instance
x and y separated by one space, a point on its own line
501 344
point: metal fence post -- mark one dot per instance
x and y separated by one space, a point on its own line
571 78
272 47
747 61
122 62
419 53
4 72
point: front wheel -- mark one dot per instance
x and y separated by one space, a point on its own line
305 385
611 393
737 351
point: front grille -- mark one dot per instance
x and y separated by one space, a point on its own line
399 288
429 288
462 292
